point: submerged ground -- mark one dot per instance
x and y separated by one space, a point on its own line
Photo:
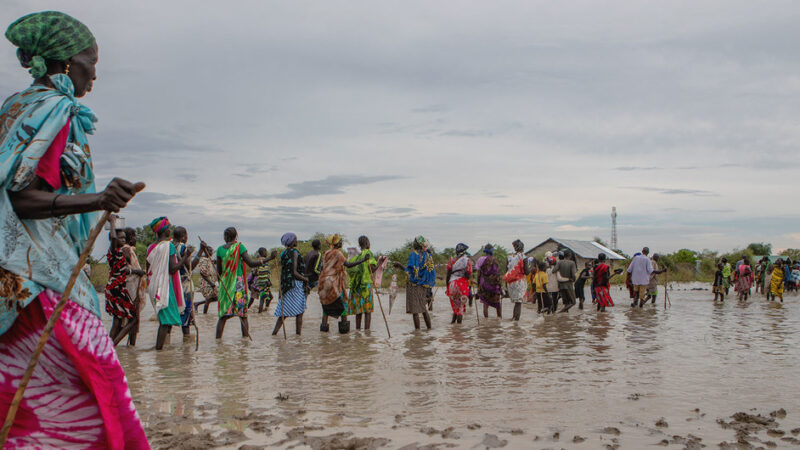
627 378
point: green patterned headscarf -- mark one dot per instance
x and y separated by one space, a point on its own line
47 35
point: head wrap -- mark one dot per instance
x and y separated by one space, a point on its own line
334 240
47 35
288 238
159 224
461 247
489 250
422 242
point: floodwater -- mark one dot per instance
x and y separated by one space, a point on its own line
542 382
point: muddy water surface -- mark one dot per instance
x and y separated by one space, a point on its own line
576 380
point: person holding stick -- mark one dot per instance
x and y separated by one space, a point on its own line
459 272
490 282
292 302
233 296
164 282
421 277
137 285
207 268
48 204
361 301
333 284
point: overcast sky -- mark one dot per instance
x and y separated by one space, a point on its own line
462 121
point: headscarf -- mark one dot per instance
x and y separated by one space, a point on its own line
461 248
422 242
47 35
288 238
489 250
334 240
159 224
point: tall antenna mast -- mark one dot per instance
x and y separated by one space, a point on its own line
613 227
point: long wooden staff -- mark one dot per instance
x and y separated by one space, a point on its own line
283 319
191 309
375 291
666 294
476 308
48 329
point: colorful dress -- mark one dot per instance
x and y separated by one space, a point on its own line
601 285
458 288
332 283
207 270
293 294
264 283
776 283
118 301
490 281
360 300
421 277
166 292
233 295
744 279
43 132
515 277
726 275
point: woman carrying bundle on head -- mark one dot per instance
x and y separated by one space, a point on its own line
490 282
232 263
459 272
292 302
47 206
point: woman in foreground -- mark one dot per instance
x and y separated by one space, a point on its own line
47 201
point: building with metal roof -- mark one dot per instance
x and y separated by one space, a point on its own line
584 250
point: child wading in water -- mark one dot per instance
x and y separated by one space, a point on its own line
717 287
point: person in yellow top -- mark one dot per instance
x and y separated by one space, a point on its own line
540 281
776 284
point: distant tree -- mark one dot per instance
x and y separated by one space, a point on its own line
600 241
793 253
684 255
760 249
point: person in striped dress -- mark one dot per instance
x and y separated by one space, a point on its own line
292 302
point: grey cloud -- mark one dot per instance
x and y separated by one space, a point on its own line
331 185
633 168
468 133
674 191
430 109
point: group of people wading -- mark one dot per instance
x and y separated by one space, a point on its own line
769 278
346 286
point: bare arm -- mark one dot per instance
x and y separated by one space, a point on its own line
297 274
250 261
176 263
36 202
356 262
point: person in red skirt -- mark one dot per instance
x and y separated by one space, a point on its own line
602 276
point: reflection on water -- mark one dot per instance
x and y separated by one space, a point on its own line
580 371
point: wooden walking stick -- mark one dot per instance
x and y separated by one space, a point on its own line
666 294
375 291
283 319
48 329
477 316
